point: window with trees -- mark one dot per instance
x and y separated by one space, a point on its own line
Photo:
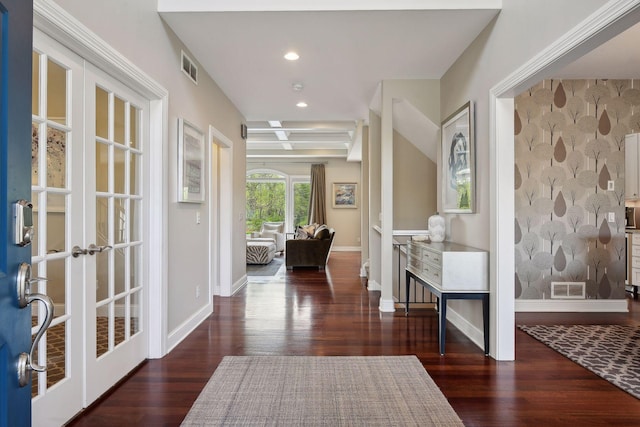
272 196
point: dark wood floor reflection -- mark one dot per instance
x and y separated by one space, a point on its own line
331 313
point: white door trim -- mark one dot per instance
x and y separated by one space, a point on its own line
611 19
220 281
64 28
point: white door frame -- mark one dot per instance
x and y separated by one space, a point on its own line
605 23
220 282
64 28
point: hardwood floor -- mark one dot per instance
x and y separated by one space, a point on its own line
309 312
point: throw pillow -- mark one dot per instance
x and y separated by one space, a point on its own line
277 227
300 234
310 229
322 233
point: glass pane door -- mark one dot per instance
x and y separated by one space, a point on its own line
115 200
57 196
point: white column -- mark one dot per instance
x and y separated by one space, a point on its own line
386 172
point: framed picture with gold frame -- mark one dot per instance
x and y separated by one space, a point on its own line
345 195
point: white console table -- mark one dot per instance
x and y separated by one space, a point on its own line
450 271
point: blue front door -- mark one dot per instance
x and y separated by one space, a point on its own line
16 24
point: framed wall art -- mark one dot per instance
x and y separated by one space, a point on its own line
190 163
345 195
458 161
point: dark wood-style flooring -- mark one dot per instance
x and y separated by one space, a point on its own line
309 312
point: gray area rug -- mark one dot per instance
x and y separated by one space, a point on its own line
610 351
265 269
321 391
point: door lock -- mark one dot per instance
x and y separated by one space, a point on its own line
22 222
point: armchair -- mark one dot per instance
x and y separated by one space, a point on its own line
312 252
275 231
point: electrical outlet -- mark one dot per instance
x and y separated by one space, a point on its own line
610 186
198 291
611 217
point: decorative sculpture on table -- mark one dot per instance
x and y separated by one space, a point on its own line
436 228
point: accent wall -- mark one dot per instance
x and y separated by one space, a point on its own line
569 185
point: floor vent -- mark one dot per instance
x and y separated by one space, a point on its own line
568 290
189 68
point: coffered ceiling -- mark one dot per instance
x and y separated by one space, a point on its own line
346 48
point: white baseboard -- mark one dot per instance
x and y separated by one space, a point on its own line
582 306
387 306
372 285
241 283
346 248
181 332
470 330
363 269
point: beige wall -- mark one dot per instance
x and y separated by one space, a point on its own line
346 222
156 50
414 186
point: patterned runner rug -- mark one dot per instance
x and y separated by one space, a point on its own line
610 351
327 391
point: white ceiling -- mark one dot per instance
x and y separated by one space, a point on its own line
346 48
619 58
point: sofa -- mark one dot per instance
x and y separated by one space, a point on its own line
310 252
271 230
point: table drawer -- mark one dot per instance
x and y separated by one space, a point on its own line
431 273
432 256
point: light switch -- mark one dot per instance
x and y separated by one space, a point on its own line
610 186
197 217
611 217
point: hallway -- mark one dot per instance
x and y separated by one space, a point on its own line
307 312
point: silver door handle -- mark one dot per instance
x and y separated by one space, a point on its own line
92 249
26 362
76 251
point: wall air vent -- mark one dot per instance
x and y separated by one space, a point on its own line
189 68
568 290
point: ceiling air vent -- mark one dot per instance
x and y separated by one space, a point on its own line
189 68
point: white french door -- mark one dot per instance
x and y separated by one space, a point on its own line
116 341
88 164
58 199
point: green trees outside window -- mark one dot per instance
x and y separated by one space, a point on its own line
267 196
301 194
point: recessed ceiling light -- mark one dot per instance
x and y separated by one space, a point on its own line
291 56
297 87
301 104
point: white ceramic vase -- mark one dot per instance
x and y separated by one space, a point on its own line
436 228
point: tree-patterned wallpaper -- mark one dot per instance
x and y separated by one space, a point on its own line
569 137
